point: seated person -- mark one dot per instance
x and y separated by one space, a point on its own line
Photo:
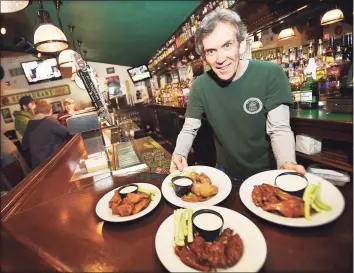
69 108
23 116
44 134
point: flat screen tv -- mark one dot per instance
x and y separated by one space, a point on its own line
139 73
38 71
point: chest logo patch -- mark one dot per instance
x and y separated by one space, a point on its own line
252 106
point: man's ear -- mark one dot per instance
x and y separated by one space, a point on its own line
242 48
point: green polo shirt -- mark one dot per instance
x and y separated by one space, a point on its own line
238 113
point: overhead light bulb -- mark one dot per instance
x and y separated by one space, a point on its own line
64 59
49 38
286 34
3 31
12 5
332 16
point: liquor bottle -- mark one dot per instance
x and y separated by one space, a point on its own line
348 54
330 51
309 93
320 50
338 55
291 63
311 66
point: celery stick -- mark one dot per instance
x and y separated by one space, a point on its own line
322 205
315 207
307 199
181 226
185 230
177 220
190 227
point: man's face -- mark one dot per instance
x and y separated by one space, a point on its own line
70 107
30 106
221 50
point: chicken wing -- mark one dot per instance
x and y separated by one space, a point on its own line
198 247
193 175
141 205
123 210
288 208
234 250
204 190
193 198
190 259
115 199
204 179
137 197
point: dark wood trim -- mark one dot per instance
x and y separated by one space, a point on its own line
13 201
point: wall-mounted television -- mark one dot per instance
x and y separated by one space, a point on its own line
139 73
38 71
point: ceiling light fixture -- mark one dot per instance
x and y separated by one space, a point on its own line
286 34
332 16
48 38
64 59
3 31
13 6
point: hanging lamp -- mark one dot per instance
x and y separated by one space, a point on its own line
13 6
286 34
48 38
332 16
64 59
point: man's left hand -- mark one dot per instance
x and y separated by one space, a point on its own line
292 166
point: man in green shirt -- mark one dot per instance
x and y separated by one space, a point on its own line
246 103
23 116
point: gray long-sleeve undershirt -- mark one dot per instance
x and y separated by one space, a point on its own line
278 129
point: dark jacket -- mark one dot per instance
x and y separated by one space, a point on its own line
43 137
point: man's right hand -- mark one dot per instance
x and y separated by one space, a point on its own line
178 162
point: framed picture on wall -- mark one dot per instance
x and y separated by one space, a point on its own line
114 87
57 107
110 70
6 114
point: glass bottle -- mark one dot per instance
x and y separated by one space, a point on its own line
330 51
309 93
348 54
338 55
311 65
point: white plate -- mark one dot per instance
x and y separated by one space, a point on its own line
217 177
329 194
255 247
105 213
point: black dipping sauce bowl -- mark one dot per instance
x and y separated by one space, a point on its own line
129 188
209 226
292 182
181 188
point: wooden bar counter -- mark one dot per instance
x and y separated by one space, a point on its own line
50 224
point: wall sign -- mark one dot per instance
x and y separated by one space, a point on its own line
110 70
56 91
